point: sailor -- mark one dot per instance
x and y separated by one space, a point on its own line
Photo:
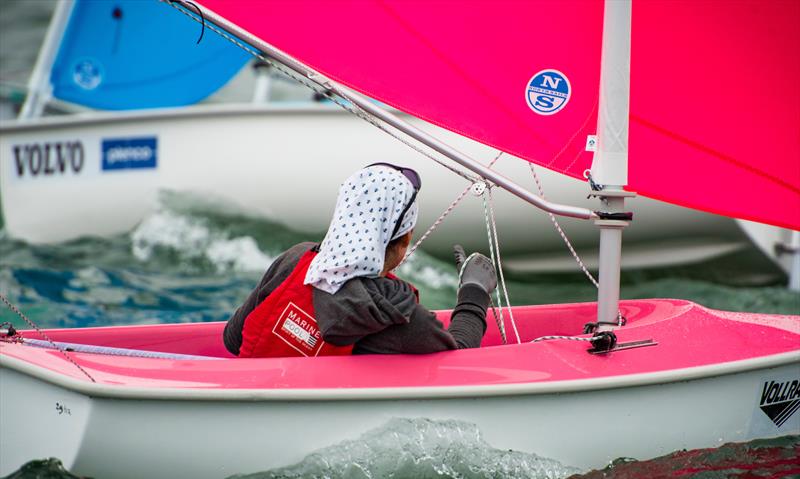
340 297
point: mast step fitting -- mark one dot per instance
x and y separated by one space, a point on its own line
603 341
629 345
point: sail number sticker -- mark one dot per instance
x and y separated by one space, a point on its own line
548 92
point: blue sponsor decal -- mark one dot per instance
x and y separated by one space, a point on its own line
130 153
548 92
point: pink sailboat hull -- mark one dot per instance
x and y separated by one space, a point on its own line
687 336
712 377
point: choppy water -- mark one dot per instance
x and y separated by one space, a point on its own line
191 261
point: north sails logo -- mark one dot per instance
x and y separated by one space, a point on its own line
548 92
780 400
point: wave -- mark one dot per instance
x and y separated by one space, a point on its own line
421 448
191 239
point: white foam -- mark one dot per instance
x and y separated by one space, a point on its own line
420 447
191 239
240 254
168 230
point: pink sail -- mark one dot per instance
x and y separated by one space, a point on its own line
715 107
715 103
463 66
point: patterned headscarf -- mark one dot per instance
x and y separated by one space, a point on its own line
367 209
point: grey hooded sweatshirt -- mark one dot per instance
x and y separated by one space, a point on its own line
376 315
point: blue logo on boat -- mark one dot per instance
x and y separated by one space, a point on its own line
130 153
87 74
548 92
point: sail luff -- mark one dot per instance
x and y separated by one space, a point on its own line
610 163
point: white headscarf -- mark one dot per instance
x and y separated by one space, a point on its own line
367 210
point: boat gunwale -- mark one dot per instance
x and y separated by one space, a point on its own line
393 393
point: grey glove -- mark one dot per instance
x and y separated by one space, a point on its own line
476 269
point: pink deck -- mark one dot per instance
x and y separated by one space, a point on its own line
688 335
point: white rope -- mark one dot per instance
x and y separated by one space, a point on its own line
561 232
495 237
446 212
569 338
500 319
110 351
435 224
620 317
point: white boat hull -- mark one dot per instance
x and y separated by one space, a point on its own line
286 164
195 436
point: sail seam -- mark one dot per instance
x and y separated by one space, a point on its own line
717 154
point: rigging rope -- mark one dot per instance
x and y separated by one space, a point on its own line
500 265
498 318
446 212
561 232
620 317
435 224
569 338
45 336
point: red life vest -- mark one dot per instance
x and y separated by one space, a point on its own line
284 324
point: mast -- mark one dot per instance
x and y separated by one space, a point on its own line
261 92
39 88
610 164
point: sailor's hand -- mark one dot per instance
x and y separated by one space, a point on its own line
476 269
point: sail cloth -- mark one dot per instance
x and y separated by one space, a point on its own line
465 66
715 106
128 54
714 97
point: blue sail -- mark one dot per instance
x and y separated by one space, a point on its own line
129 54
